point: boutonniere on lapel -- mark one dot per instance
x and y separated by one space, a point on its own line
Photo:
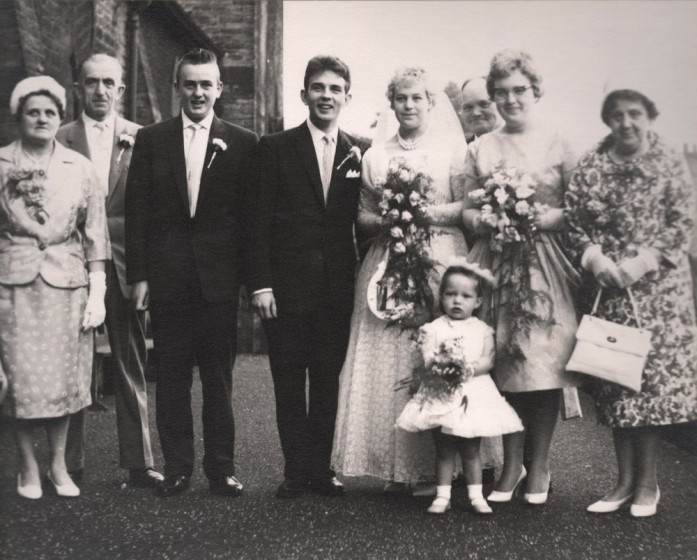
125 142
354 155
218 146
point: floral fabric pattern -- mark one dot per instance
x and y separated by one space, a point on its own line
643 203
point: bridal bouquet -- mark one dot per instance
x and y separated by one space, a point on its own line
29 185
404 293
508 206
445 373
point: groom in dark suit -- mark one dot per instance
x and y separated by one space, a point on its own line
302 261
183 246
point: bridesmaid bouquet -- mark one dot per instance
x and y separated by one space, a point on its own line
508 206
404 294
29 185
446 372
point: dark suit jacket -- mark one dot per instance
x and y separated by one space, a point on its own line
298 246
73 136
164 245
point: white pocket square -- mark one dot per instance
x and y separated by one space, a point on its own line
352 174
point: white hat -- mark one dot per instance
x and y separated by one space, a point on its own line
34 84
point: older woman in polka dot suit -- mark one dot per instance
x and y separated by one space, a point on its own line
53 244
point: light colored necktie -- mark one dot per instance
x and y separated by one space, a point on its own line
101 156
190 164
327 162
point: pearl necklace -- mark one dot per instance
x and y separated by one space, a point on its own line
409 144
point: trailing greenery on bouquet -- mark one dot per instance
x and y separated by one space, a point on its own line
30 186
406 295
445 372
509 208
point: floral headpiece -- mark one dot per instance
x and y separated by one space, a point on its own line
462 262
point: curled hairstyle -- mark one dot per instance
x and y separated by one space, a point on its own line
452 271
23 101
409 75
196 56
324 63
508 61
626 95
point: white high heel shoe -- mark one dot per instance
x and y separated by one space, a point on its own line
637 510
538 498
608 506
29 491
440 505
501 497
69 490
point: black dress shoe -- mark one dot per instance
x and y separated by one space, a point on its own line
328 487
225 486
291 488
173 485
144 478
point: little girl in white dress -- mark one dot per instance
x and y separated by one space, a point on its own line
457 398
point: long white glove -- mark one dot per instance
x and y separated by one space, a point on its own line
95 312
635 268
606 272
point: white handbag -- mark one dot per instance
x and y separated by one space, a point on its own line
609 351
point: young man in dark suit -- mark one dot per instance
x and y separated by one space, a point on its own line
102 136
184 212
302 262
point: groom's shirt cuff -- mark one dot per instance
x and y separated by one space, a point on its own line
261 291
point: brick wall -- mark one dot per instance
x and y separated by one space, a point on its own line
230 25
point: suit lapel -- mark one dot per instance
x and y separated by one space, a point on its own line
306 151
342 149
77 138
174 140
115 167
217 131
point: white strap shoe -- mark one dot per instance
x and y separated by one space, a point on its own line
480 507
440 505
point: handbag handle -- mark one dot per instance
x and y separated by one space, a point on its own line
631 298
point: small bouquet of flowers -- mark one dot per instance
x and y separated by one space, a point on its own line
446 371
404 294
29 185
508 206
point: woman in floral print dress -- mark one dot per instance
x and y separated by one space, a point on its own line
629 208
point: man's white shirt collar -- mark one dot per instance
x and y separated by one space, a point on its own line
205 123
109 122
318 134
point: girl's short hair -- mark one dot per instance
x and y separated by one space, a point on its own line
456 269
508 61
23 101
410 75
626 95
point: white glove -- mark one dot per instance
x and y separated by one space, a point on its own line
603 268
635 268
95 312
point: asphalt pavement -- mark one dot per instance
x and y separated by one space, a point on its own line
113 521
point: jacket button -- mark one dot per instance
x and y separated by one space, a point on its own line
42 246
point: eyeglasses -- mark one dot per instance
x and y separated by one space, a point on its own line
501 94
471 106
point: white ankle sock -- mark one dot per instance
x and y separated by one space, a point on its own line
443 491
474 491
